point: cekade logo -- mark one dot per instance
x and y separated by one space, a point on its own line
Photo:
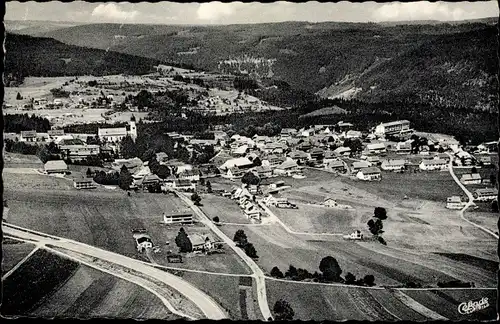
473 306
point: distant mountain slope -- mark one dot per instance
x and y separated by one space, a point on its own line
34 56
349 60
36 27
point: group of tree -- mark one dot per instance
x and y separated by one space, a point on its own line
330 272
250 178
283 311
242 242
196 199
375 225
183 242
107 178
15 123
125 178
59 93
355 144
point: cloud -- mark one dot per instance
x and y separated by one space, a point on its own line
422 10
214 10
113 12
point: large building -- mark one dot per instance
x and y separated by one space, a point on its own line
183 218
118 133
398 127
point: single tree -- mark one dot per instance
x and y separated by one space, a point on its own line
196 199
163 171
216 219
473 170
283 311
380 213
89 173
183 242
375 226
257 161
250 179
350 278
125 178
330 268
209 187
291 273
494 206
250 250
276 273
369 280
19 97
240 238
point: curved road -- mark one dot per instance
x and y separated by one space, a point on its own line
205 303
469 196
258 274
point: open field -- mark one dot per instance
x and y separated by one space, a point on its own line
435 186
487 219
319 219
66 289
16 181
224 289
225 208
320 302
90 293
105 219
13 252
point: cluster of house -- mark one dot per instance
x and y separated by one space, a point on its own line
479 195
246 201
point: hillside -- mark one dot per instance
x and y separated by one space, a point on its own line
35 56
349 60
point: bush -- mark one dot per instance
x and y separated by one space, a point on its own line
196 199
283 311
369 280
250 250
330 269
381 240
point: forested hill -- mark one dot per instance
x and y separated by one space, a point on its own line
36 56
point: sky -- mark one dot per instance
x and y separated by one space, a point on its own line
248 12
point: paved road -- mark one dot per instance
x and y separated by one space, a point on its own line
204 302
258 274
469 196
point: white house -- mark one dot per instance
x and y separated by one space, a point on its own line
201 242
393 128
28 136
393 165
358 165
455 202
240 163
433 164
376 148
353 134
473 178
403 147
57 166
142 241
288 167
486 194
369 174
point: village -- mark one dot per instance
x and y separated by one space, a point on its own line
254 172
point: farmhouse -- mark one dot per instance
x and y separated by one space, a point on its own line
264 172
79 152
486 194
191 175
274 201
392 165
343 151
376 148
233 173
393 128
317 154
485 160
454 202
183 218
54 133
252 212
374 159
343 126
161 157
358 165
433 164
369 174
85 183
201 242
184 185
403 148
240 151
274 160
298 156
57 166
143 241
288 167
241 163
147 180
28 136
330 202
337 165
353 134
473 178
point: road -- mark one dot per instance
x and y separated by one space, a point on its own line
470 201
205 303
258 274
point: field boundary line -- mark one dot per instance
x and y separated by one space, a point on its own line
163 299
11 271
470 198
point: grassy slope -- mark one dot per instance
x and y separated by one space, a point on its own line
105 219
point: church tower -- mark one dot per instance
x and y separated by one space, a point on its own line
133 128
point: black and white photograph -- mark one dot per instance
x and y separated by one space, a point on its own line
248 161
